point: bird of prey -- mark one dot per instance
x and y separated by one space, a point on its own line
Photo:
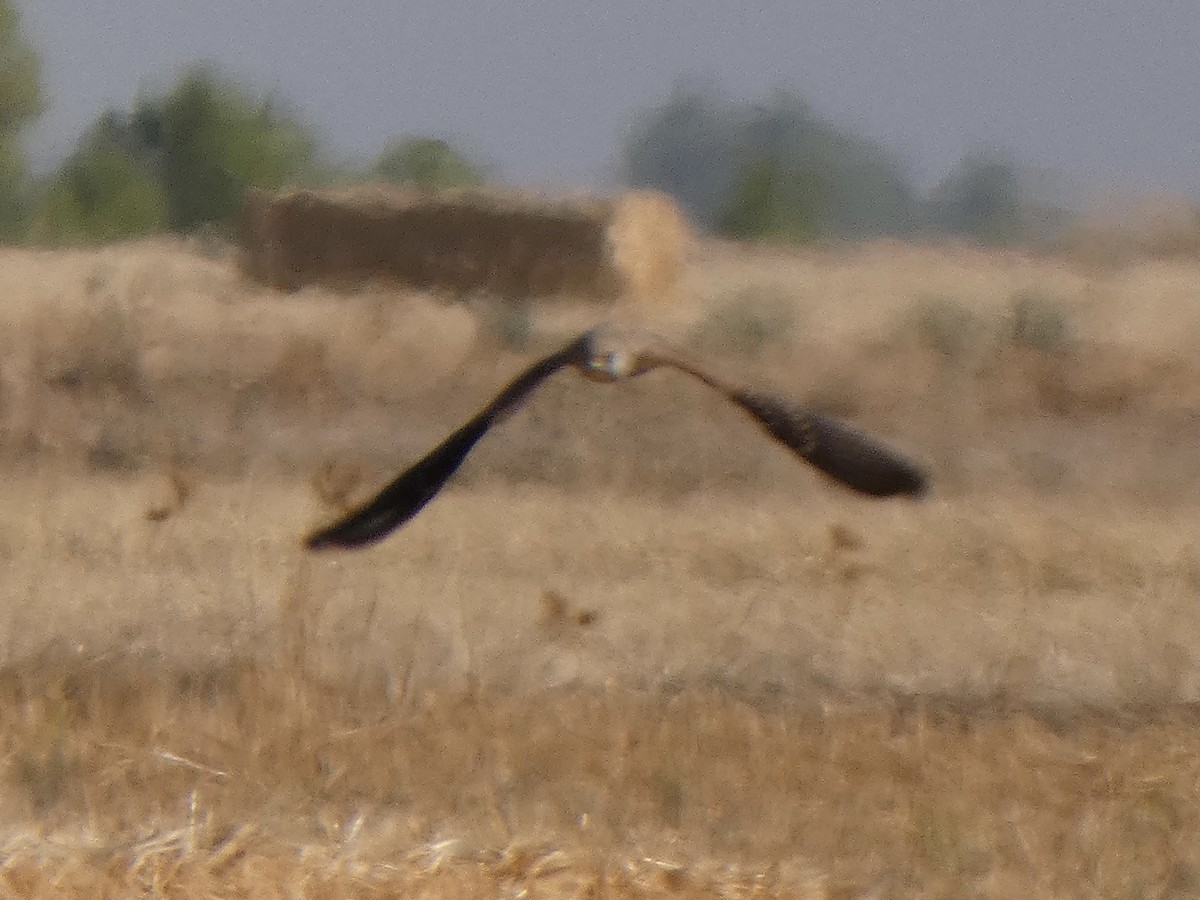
612 353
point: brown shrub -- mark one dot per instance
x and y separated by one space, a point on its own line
508 244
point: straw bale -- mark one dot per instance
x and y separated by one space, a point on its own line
510 244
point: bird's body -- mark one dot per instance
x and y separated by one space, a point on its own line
612 353
616 352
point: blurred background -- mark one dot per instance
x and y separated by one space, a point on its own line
996 121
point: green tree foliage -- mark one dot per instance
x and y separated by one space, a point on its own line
178 161
212 141
767 204
689 147
20 105
980 198
774 169
429 163
824 181
105 191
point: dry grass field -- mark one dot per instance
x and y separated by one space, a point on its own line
634 650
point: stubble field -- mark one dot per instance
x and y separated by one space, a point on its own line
635 650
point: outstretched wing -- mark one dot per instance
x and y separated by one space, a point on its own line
841 451
404 497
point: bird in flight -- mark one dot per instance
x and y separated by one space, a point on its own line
613 353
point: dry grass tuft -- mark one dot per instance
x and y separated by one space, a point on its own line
179 487
648 243
747 324
558 616
336 484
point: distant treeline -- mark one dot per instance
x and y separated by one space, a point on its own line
778 170
181 161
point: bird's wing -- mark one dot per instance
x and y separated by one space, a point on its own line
410 491
845 453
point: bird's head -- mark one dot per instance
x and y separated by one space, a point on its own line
615 353
609 365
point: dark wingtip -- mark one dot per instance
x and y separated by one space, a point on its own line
905 482
319 540
920 485
847 454
907 479
358 529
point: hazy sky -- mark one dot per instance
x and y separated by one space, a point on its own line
1104 91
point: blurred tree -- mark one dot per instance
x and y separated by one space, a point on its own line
980 198
20 104
826 181
178 162
429 163
105 191
773 169
209 140
687 147
762 206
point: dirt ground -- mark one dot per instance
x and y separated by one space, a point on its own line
635 649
